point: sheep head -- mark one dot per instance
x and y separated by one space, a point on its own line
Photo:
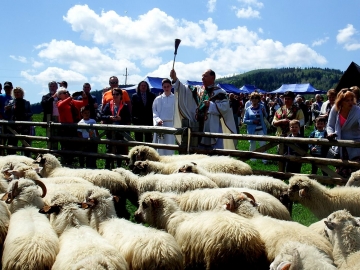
48 162
47 209
140 167
141 153
188 168
299 187
354 179
155 209
242 203
343 229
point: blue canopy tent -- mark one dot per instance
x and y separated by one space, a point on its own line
229 88
193 83
303 88
154 84
251 88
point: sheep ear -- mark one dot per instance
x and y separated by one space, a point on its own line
155 203
116 199
284 266
194 163
303 192
329 224
230 204
45 209
38 169
182 169
5 196
17 174
50 209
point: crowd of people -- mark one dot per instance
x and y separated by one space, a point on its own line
211 107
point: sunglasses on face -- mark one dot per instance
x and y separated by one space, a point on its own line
113 82
116 94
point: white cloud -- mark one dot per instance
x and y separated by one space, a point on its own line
345 34
247 13
260 30
320 41
346 37
37 64
211 5
21 59
117 42
253 3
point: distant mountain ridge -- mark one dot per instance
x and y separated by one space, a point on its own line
272 79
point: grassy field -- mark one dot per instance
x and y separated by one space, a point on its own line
300 214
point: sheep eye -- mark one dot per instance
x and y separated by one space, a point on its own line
144 205
295 188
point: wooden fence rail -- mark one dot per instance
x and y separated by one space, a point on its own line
187 145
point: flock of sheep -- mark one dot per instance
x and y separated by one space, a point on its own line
203 212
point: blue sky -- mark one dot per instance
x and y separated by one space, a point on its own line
89 41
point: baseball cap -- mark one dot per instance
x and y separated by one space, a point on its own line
9 84
63 83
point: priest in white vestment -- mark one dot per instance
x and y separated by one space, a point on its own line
209 106
163 115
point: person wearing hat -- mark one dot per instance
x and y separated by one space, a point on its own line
286 113
4 100
63 84
48 103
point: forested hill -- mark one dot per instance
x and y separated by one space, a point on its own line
271 79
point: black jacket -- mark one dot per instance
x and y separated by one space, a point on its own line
142 114
47 105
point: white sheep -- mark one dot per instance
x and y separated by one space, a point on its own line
51 167
354 180
322 201
142 247
274 232
24 192
210 239
178 183
15 159
4 221
81 247
31 242
273 186
208 199
143 152
298 256
343 231
214 164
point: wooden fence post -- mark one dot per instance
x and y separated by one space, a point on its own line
193 126
281 152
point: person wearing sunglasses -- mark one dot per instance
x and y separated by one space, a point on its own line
107 96
344 125
116 112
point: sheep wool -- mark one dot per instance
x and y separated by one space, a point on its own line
268 184
178 183
322 201
354 180
142 247
81 247
209 199
4 221
51 167
275 233
343 231
214 164
298 256
210 239
143 152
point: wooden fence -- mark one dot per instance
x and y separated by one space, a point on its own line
188 145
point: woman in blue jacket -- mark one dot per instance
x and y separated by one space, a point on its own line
254 120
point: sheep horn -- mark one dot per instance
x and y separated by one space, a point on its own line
250 196
43 187
10 196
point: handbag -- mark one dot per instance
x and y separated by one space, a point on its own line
333 154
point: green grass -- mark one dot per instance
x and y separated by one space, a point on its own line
300 213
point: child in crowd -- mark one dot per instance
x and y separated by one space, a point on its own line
90 134
294 167
318 150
